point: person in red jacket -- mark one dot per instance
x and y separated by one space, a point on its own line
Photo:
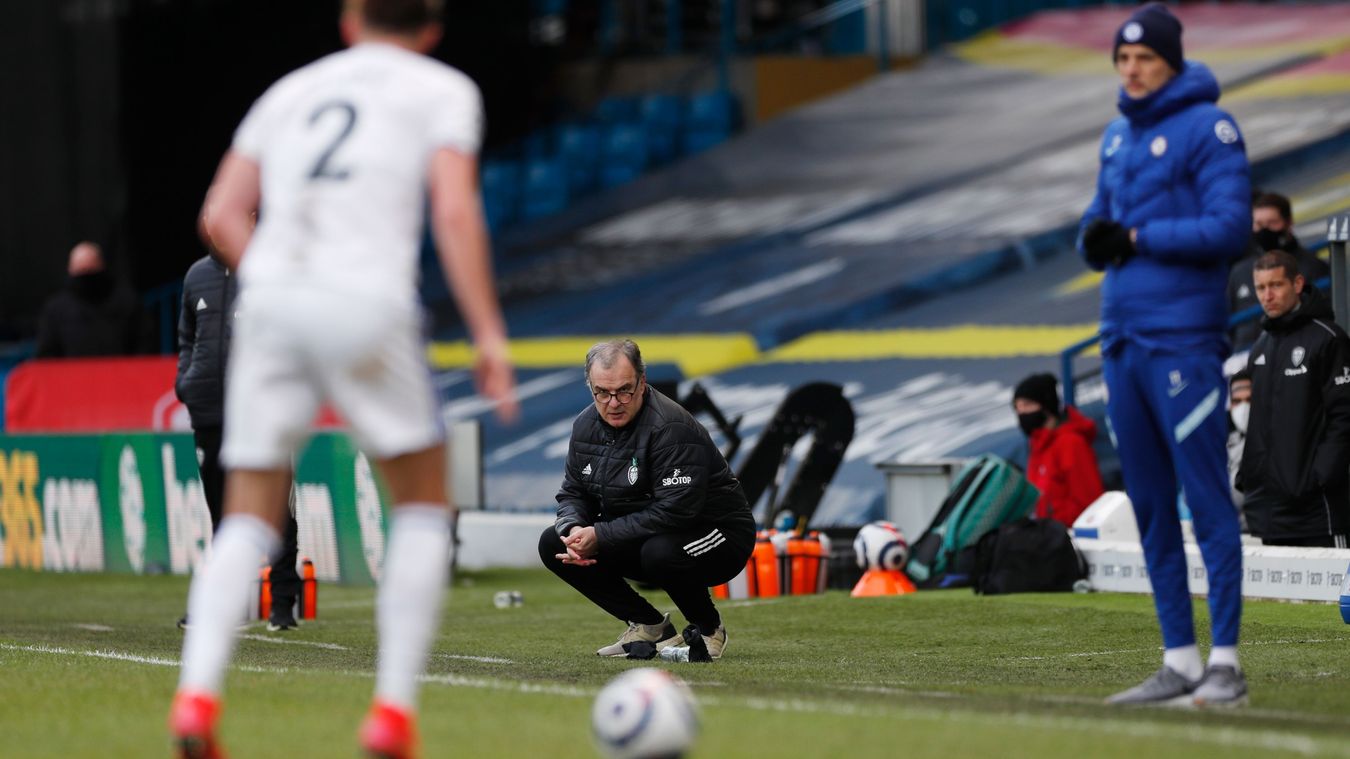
1061 464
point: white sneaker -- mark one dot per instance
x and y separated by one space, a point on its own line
716 642
1222 686
1166 687
663 634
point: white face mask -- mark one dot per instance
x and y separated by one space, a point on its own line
1240 414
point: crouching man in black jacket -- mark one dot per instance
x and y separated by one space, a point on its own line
647 496
1296 462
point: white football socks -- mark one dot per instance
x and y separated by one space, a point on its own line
219 598
1185 661
1224 656
408 603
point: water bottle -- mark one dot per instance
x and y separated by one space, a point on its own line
1345 596
674 653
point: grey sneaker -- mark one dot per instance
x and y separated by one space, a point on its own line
663 634
1166 687
1222 686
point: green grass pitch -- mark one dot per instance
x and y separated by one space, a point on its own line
88 666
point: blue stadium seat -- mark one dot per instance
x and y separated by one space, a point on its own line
661 117
579 149
501 185
545 188
709 118
617 110
624 154
537 145
548 7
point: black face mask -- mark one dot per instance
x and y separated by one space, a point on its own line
1032 421
92 286
1269 239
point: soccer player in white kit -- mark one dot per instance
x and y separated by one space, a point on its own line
340 158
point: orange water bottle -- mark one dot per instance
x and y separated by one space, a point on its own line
804 555
264 593
309 591
826 548
763 574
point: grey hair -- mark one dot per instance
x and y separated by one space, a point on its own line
608 351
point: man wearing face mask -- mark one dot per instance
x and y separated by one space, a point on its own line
1061 463
1239 412
94 315
1272 229
1297 457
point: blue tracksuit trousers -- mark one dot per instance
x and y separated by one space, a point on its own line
1168 413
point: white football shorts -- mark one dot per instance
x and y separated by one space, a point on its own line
297 347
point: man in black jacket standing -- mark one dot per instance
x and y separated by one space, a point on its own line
204 326
1297 456
647 496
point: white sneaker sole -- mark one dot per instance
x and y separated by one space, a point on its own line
661 645
1184 701
1235 703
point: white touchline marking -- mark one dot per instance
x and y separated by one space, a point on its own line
284 641
1233 736
93 627
117 655
516 686
466 657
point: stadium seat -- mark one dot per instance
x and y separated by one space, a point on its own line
617 110
709 118
661 118
537 145
545 188
548 7
623 154
579 149
501 185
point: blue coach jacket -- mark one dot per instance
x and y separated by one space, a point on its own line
1174 167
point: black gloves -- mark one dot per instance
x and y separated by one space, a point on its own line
1106 243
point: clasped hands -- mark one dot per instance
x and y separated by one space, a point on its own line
581 546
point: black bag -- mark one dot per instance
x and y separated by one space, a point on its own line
1027 556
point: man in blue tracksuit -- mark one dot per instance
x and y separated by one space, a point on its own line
1171 213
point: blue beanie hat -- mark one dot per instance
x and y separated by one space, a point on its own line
1154 27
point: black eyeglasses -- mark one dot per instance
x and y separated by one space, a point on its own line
603 396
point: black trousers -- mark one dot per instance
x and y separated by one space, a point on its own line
683 564
284 577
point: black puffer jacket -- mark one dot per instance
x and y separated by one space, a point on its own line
1296 462
204 328
94 315
659 473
